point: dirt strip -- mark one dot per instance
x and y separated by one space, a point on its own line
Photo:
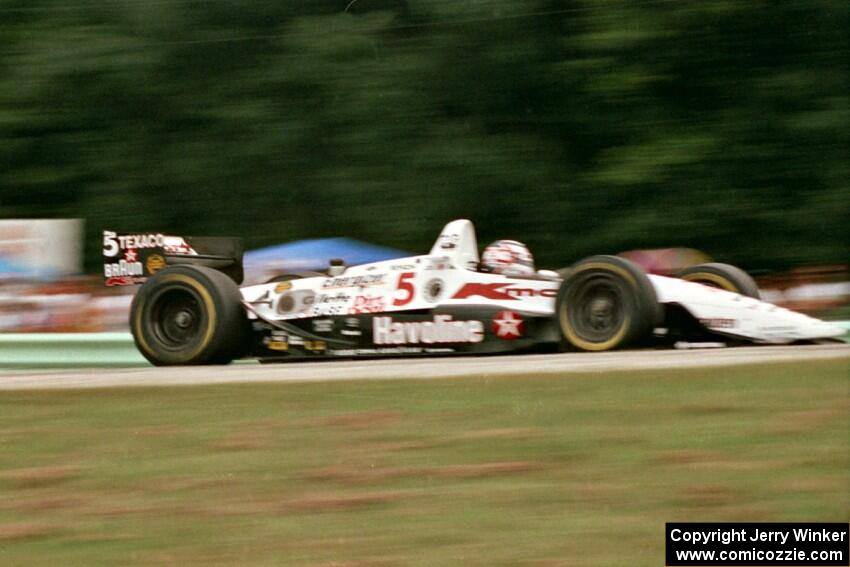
420 368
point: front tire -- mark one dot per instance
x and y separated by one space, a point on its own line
723 276
606 302
187 315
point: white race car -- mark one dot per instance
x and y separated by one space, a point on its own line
190 310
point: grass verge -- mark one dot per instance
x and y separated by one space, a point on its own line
531 471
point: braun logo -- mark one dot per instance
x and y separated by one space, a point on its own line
442 329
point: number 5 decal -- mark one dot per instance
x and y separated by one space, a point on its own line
110 243
406 287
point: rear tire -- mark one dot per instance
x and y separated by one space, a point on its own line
722 276
606 302
186 315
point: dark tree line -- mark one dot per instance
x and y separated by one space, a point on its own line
579 127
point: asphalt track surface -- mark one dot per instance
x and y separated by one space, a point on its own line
420 368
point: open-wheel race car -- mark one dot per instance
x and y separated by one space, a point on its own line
190 309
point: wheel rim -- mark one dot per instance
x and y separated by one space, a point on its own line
596 310
178 319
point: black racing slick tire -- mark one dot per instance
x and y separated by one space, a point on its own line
606 302
723 276
187 315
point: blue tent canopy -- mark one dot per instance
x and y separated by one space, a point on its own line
315 254
7 266
11 269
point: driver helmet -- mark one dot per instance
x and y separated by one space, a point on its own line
508 257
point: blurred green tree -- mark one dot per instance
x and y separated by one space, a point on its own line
579 127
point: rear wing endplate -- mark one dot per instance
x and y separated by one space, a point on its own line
130 259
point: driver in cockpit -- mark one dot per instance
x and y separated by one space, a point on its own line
509 258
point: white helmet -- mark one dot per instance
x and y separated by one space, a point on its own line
508 257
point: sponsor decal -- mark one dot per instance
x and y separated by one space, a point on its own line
124 280
437 265
367 304
508 325
282 342
501 291
531 292
282 286
443 329
406 287
486 290
777 328
323 325
389 350
352 327
315 346
329 309
277 341
126 271
449 241
327 298
404 267
123 268
433 290
154 263
719 323
114 242
176 245
289 302
354 281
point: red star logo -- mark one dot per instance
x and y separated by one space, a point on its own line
508 325
131 255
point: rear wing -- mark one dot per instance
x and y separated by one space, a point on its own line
130 259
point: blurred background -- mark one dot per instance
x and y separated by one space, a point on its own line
669 131
576 127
